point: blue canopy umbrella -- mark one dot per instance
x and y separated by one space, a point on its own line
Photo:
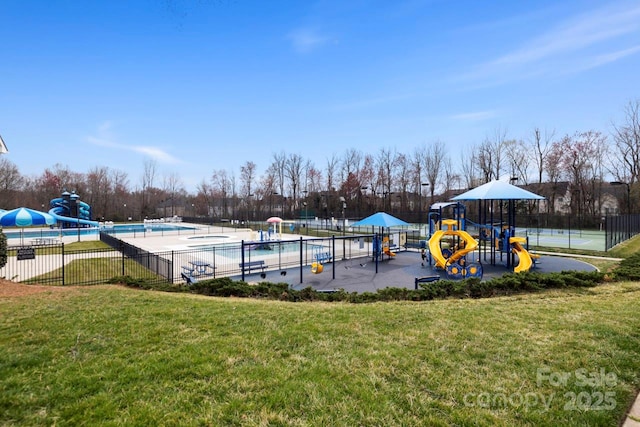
24 217
498 190
380 219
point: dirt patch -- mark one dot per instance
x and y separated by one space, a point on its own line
10 289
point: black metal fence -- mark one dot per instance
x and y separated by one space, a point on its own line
620 228
53 264
162 267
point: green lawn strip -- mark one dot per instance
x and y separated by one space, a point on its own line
94 270
626 248
86 245
118 356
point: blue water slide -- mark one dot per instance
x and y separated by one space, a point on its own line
55 212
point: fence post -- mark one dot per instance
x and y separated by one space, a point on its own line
301 260
242 258
172 260
62 256
333 264
122 258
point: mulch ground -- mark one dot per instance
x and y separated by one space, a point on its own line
10 289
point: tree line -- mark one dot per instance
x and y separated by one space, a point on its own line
355 182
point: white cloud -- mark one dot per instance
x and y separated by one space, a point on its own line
104 139
566 46
474 116
305 40
611 57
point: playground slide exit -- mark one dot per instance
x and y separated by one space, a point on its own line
523 255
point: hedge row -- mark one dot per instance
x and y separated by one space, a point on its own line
628 269
508 284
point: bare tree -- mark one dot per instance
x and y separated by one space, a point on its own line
173 189
626 136
386 162
435 157
204 197
582 157
99 191
221 185
491 154
293 172
517 154
148 182
470 167
278 168
541 143
351 164
402 179
331 169
11 182
247 177
554 171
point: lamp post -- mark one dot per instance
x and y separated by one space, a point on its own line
385 196
422 186
628 193
344 207
305 192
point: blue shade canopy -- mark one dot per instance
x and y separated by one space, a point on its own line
498 190
24 217
380 219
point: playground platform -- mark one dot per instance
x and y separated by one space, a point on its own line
359 275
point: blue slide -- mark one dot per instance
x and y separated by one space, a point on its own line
71 211
55 212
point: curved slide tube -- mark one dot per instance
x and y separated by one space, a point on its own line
435 251
55 212
470 244
523 255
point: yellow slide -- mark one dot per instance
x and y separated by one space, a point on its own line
523 255
470 244
385 248
434 249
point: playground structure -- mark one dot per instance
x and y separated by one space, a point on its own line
70 211
450 242
450 246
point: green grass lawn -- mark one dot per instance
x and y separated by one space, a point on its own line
111 355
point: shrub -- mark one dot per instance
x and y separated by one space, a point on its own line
629 268
469 288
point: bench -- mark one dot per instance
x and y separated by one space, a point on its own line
252 265
426 279
323 257
189 279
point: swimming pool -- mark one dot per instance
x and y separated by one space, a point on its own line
54 232
143 228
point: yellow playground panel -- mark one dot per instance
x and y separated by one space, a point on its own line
453 259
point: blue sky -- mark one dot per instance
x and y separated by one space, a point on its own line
205 85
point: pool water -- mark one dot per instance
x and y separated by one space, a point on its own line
144 228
